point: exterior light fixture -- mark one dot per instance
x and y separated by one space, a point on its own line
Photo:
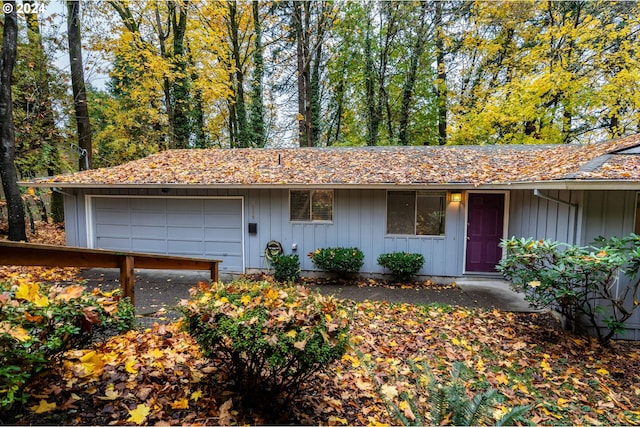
456 196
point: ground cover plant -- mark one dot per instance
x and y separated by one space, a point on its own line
159 375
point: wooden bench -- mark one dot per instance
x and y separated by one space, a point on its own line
18 253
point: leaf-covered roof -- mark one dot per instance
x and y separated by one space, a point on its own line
339 166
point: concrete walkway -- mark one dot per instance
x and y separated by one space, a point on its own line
160 290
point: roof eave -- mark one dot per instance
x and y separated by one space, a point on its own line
578 184
601 184
346 186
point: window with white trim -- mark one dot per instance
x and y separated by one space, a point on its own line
311 205
416 212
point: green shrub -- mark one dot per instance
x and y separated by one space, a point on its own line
269 339
582 283
38 322
286 268
403 265
338 260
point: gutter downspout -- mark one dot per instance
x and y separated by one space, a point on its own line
537 193
58 190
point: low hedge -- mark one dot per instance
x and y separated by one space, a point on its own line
403 265
338 260
286 268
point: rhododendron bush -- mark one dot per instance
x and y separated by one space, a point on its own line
587 284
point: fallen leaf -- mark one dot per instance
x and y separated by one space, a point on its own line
43 407
110 393
196 395
139 414
388 391
225 417
129 365
180 404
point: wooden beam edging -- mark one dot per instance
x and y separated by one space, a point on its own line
34 254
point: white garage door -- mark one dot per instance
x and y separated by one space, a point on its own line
203 228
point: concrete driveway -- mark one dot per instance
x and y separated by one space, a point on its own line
158 291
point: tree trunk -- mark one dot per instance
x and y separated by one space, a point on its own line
300 60
316 73
123 10
441 80
182 128
240 109
200 137
256 118
77 83
373 121
8 173
306 48
166 83
389 9
410 81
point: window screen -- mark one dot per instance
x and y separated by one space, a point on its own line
311 205
430 213
418 213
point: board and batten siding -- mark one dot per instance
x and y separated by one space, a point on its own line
359 221
609 214
544 219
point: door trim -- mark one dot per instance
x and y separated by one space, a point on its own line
505 230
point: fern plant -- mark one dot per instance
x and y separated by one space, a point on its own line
449 402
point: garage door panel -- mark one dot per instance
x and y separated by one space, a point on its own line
221 234
110 216
224 220
184 218
155 246
182 247
148 204
185 233
223 248
112 203
184 205
154 218
229 207
115 243
112 230
209 228
148 231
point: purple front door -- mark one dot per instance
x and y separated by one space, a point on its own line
485 229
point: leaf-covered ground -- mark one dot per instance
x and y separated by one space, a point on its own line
158 376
